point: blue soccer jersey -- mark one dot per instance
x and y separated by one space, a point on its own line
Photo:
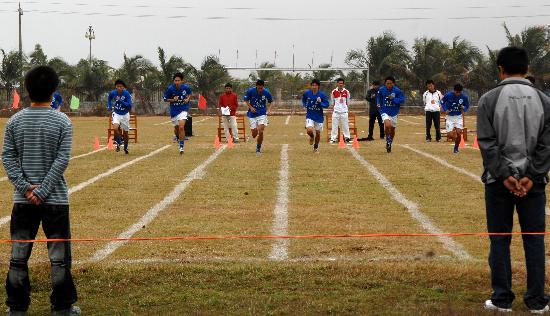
181 93
57 100
453 103
120 103
389 106
258 101
315 108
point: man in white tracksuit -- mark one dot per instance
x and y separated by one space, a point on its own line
340 99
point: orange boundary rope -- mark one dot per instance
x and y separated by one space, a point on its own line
337 236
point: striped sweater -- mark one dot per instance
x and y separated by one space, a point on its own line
37 149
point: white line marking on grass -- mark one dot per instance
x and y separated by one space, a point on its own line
287 120
200 121
152 213
3 179
413 209
88 154
448 165
279 251
4 220
404 120
163 123
109 172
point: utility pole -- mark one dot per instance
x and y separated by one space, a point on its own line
20 12
90 35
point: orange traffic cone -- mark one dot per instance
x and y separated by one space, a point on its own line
341 144
355 142
476 144
230 142
217 144
462 143
110 145
97 146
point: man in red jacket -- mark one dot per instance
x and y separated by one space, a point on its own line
227 109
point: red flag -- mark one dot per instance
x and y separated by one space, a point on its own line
16 100
202 102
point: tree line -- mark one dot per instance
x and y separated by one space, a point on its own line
385 54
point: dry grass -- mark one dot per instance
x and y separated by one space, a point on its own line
330 193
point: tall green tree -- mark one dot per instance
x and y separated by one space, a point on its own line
37 57
210 78
172 65
10 71
428 58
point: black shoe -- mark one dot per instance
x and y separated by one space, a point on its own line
117 146
429 140
383 137
126 151
438 140
388 147
370 139
347 140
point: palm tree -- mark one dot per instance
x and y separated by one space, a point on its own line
210 78
537 44
37 57
461 59
172 65
427 61
384 55
484 75
327 75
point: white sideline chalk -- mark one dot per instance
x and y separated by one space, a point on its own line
448 165
413 209
109 172
78 187
287 121
163 123
279 251
152 213
88 154
406 121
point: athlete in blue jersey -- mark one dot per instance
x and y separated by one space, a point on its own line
455 104
389 101
257 100
120 102
57 100
178 95
314 101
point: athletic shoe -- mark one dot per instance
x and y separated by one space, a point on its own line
117 147
370 139
428 140
181 150
311 140
347 140
539 311
236 141
73 311
455 150
126 151
383 137
438 140
176 139
315 150
186 138
332 141
388 147
492 307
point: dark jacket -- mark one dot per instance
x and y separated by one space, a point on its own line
513 129
371 98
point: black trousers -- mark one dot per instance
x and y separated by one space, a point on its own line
435 118
25 221
373 116
500 204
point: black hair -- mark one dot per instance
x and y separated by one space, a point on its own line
513 60
228 85
532 79
41 82
429 82
260 82
340 79
316 81
391 78
376 83
458 87
178 75
119 81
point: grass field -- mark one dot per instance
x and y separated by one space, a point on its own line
153 192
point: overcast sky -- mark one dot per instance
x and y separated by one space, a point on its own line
196 28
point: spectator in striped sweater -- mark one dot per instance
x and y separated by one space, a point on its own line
36 152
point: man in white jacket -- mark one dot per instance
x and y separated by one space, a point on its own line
432 106
340 99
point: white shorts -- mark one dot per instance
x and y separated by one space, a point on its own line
180 117
256 121
122 120
452 122
393 119
316 125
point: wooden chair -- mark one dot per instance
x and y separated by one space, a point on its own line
241 127
132 133
444 133
352 126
